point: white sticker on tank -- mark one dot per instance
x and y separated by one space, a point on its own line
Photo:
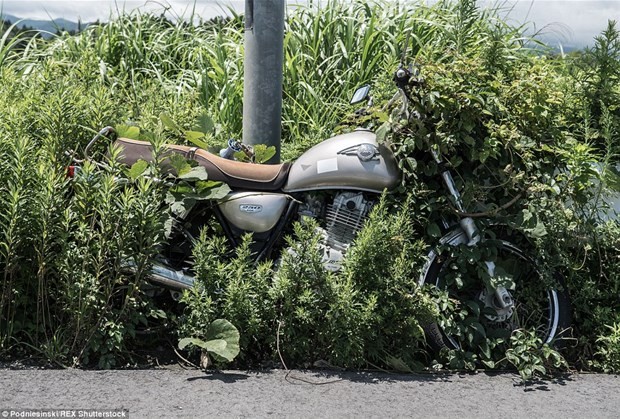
327 165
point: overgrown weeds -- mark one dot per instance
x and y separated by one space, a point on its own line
368 314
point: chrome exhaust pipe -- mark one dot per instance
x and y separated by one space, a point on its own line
168 278
165 277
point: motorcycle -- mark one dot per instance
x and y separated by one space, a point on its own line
337 182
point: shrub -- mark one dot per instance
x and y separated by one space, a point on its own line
234 288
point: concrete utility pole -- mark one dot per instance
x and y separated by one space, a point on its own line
262 88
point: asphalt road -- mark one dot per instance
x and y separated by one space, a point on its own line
191 393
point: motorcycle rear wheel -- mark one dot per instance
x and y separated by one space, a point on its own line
541 304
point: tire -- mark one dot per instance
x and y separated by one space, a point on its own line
540 303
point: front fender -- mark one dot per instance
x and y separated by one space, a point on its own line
455 237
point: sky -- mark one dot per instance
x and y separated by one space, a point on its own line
569 22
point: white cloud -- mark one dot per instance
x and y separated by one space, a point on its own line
568 21
102 9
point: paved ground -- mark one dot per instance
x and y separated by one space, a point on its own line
190 393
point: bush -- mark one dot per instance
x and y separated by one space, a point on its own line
368 313
66 290
234 288
609 350
383 267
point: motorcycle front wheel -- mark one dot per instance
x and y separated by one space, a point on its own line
540 301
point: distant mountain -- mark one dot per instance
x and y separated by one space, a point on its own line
46 25
567 45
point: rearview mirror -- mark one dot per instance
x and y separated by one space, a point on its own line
360 94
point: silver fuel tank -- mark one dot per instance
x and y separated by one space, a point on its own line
348 161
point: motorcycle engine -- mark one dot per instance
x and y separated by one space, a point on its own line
341 219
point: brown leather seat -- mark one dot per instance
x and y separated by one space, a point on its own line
238 175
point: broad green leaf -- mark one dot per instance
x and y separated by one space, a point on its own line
537 231
177 192
222 329
195 173
474 307
217 346
479 328
204 124
262 153
137 169
196 138
468 125
180 204
383 131
188 203
490 364
128 131
382 116
502 278
412 163
179 164
168 122
219 192
212 190
526 215
192 341
178 208
485 349
207 184
484 155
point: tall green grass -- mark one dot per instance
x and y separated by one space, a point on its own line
330 49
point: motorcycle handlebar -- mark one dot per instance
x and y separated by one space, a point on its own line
103 133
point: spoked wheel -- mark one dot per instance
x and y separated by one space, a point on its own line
529 299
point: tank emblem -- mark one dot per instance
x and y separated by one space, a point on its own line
367 152
249 208
327 165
